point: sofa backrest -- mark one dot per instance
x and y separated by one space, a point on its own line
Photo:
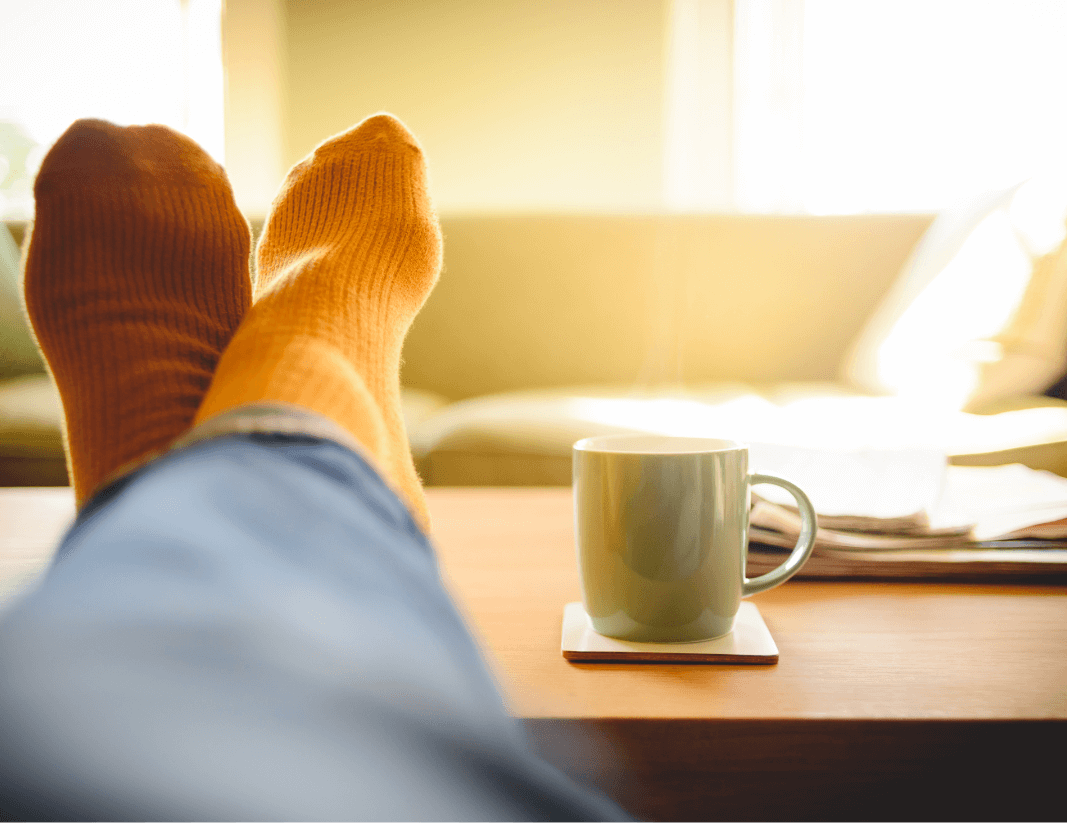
556 300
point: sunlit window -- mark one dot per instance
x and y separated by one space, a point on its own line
909 104
847 106
128 61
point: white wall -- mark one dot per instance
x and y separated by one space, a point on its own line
519 104
254 56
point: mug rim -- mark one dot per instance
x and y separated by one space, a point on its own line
603 444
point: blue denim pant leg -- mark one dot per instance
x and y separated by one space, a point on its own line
253 627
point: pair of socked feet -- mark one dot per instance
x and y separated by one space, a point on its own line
137 285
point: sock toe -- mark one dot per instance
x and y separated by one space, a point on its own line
380 132
103 153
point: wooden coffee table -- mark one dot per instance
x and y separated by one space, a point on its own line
889 700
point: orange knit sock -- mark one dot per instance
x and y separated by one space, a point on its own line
349 253
136 277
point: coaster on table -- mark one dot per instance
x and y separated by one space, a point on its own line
749 642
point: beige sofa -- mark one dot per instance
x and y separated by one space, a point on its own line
547 328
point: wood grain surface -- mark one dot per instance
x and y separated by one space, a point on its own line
890 701
846 650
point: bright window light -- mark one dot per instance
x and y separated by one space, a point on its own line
910 104
852 106
127 61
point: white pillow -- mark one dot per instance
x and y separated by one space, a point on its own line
938 329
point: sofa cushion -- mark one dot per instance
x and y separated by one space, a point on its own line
18 351
31 433
31 429
539 301
525 438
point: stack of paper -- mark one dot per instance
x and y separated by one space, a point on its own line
906 513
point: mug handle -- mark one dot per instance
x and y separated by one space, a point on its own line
805 541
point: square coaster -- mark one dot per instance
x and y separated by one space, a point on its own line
749 642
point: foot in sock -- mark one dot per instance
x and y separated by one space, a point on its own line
349 253
135 277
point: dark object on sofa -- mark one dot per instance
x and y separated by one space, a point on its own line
1057 389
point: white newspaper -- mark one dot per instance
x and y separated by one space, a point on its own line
883 499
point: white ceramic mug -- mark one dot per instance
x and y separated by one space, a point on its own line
662 529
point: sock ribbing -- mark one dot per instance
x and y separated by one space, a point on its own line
349 253
135 278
